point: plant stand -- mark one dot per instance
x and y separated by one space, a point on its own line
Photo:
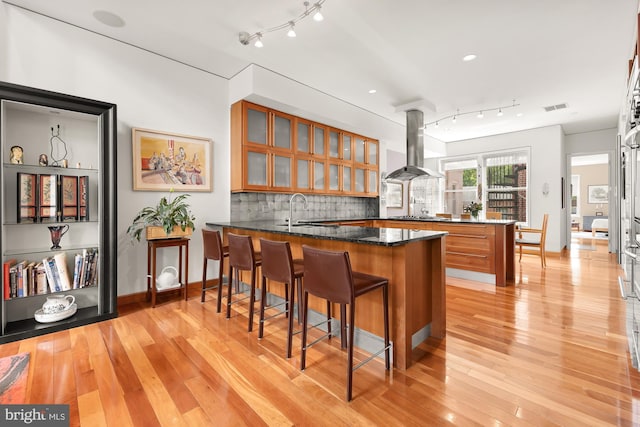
152 246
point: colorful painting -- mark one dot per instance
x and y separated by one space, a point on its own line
14 371
163 161
27 196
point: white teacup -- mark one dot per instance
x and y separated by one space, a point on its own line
57 303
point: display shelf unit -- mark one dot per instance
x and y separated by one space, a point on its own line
87 128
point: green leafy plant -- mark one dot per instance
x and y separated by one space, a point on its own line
473 208
167 214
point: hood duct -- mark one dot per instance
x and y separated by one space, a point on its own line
415 151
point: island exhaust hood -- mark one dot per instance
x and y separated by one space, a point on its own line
415 151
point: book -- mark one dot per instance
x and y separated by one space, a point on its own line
52 274
41 279
27 282
93 269
6 278
20 279
77 268
60 260
13 292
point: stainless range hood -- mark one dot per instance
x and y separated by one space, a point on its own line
415 151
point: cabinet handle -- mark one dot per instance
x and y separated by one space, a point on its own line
623 293
472 236
631 255
467 254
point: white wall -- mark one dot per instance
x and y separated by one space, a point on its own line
150 92
547 165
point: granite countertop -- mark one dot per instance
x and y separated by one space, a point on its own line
322 230
453 220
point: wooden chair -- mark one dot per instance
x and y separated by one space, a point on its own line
494 215
534 243
465 216
444 215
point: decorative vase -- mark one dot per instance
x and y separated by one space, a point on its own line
474 215
57 231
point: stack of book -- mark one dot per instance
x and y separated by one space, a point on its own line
26 278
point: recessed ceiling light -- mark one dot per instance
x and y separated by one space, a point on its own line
372 91
108 18
469 57
519 115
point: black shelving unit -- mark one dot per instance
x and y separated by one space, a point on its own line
88 144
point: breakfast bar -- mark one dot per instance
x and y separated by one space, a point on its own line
412 260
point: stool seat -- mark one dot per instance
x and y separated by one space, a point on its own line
214 250
242 257
328 275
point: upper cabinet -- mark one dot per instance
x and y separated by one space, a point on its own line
274 151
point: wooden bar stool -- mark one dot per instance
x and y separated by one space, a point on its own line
279 266
242 257
214 250
328 275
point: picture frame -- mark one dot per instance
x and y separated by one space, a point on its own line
394 195
69 190
83 198
48 197
164 161
27 197
598 194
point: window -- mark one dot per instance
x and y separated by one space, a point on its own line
460 184
506 184
503 175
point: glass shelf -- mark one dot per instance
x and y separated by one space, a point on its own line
35 251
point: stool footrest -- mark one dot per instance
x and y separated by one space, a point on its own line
370 358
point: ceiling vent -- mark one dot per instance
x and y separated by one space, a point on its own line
555 107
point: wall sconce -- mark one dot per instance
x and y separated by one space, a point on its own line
545 188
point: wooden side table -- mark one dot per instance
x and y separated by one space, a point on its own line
152 247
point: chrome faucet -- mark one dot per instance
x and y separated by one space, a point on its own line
291 206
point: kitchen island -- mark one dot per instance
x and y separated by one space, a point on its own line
412 260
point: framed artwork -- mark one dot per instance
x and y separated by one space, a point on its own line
69 197
27 197
598 193
48 195
394 195
165 161
83 198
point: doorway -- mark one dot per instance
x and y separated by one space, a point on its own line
589 201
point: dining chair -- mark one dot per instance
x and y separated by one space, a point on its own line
533 242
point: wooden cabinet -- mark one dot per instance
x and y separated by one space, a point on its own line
274 151
84 208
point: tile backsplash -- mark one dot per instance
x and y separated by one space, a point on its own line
273 206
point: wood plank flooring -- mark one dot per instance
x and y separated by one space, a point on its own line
551 350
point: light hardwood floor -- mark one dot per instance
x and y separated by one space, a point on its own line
551 350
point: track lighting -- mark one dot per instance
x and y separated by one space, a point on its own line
245 38
479 113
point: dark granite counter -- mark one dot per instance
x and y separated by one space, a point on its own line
453 220
326 231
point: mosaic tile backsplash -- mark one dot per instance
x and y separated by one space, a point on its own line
271 206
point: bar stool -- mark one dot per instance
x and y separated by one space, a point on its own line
279 266
328 275
242 257
214 250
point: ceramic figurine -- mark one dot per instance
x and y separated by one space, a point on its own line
16 155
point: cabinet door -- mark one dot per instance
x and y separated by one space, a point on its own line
282 168
282 135
360 149
360 180
303 137
257 168
372 152
346 146
346 179
372 187
302 174
318 175
319 140
334 144
256 124
334 177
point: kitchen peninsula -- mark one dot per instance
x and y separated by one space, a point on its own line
412 260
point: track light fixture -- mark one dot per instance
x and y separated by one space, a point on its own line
245 38
479 113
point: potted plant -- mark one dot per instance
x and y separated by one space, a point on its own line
169 218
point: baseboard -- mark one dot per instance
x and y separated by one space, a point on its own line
141 297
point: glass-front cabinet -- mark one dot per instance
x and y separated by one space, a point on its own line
58 211
274 151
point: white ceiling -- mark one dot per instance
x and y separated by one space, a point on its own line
536 52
